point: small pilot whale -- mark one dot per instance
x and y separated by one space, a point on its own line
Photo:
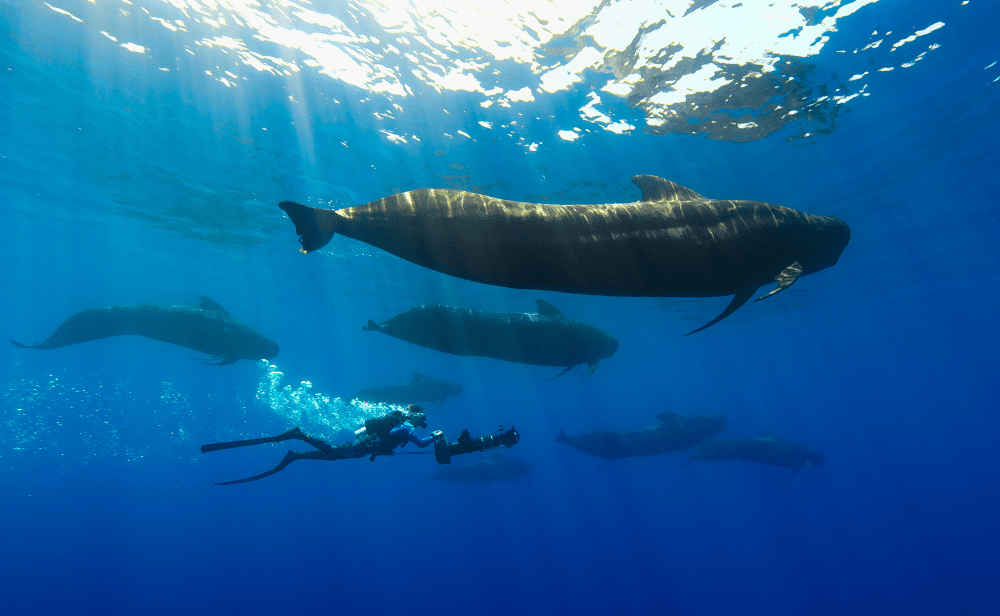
770 450
207 328
673 242
672 434
545 338
421 389
500 468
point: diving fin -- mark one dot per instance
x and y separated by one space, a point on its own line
290 457
295 433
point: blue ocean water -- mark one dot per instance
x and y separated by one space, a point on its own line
131 177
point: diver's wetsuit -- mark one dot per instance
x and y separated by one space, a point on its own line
398 436
405 433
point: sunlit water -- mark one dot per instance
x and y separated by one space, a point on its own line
144 146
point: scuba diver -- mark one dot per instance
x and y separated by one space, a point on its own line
379 436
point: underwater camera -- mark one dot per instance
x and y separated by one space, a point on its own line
443 450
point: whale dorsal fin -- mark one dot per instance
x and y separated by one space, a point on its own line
668 419
657 189
208 303
548 310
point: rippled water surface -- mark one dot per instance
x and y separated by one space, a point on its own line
145 145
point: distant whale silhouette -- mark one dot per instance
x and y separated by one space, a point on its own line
500 468
420 389
674 242
545 338
207 328
672 434
770 450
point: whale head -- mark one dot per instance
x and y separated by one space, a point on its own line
826 240
260 347
605 345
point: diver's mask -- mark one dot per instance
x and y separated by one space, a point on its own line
415 415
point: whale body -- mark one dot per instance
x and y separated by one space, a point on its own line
770 450
500 468
673 242
673 433
545 338
207 328
420 389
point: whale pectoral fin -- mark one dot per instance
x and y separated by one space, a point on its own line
548 310
785 279
568 368
738 300
225 361
593 366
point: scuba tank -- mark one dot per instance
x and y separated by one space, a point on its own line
380 426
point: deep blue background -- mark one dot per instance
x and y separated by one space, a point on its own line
123 184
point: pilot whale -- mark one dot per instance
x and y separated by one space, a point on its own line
673 242
771 450
420 389
500 468
672 434
545 338
207 328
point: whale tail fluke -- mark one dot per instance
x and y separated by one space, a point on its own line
562 438
315 226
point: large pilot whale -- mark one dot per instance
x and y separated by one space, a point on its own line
673 242
207 328
545 338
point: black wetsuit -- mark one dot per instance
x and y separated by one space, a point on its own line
382 444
